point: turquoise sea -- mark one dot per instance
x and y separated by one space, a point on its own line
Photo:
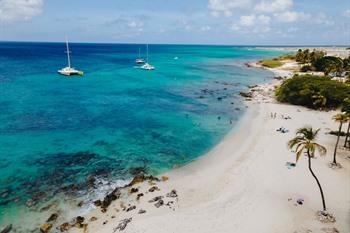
116 121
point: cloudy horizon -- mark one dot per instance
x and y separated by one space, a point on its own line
233 22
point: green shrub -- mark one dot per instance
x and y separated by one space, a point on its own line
329 64
274 63
313 92
307 68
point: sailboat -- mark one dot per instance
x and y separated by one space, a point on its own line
140 60
68 71
147 66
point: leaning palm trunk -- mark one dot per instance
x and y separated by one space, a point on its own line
318 182
347 136
336 144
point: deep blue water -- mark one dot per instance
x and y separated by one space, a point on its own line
117 119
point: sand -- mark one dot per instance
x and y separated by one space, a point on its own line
243 185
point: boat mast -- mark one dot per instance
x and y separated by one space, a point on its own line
147 54
68 52
139 53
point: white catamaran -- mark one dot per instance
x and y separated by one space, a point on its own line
68 71
147 66
140 60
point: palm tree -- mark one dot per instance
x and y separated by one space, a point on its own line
341 118
304 142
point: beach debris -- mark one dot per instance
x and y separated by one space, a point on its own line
134 190
93 218
7 229
325 217
290 165
113 216
155 199
122 224
45 227
105 222
139 195
141 211
165 178
64 227
172 194
335 165
130 208
159 203
282 130
329 230
53 217
300 201
169 203
154 188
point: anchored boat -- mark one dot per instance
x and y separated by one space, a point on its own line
69 71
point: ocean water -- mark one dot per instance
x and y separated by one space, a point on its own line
114 122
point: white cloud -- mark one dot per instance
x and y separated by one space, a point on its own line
291 16
323 19
19 10
346 13
226 7
251 20
247 20
272 6
252 23
205 28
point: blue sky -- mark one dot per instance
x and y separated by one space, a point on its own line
258 22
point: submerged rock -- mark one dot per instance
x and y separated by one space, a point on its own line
7 229
46 227
53 217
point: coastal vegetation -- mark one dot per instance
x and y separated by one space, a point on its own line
317 92
271 63
304 142
317 60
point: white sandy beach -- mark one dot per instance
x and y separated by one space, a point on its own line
243 185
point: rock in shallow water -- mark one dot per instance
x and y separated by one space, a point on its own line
45 227
53 217
7 229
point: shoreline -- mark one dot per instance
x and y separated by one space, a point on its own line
237 184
